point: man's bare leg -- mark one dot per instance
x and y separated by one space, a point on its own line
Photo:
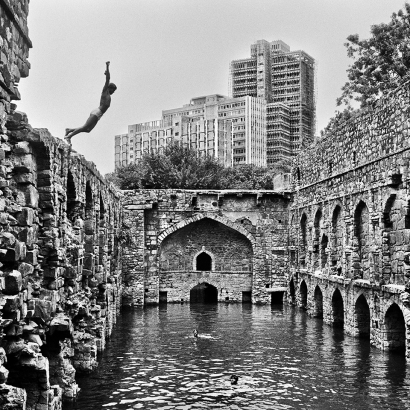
87 127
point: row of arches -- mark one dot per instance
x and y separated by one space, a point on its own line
358 244
389 332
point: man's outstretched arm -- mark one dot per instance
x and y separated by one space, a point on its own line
107 75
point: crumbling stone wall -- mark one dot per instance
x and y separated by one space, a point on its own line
167 229
352 188
60 276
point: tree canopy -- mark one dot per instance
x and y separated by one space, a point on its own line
381 61
180 167
380 64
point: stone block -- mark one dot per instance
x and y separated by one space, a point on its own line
25 163
30 196
61 323
88 261
7 239
26 217
12 303
43 309
31 257
13 283
23 148
28 235
70 272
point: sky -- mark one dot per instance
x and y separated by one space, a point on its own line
163 53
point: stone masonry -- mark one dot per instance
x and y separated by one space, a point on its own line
350 225
243 234
73 249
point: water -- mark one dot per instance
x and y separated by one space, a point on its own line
284 360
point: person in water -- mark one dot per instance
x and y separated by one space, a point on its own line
196 333
95 115
234 379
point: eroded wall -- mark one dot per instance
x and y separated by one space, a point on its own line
60 276
350 222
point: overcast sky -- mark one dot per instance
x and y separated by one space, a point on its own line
165 52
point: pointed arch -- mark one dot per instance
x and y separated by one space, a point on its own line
218 218
338 309
318 303
361 231
394 332
337 239
303 238
317 226
303 290
362 317
203 260
323 250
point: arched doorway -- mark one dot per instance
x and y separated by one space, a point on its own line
338 309
204 262
394 329
303 295
318 300
203 293
362 317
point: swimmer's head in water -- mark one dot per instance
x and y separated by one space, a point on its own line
234 379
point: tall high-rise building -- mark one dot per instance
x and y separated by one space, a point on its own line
232 130
286 81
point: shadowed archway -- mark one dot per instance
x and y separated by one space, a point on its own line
362 317
394 330
203 293
303 295
318 303
338 309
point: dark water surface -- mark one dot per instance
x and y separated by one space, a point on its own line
284 360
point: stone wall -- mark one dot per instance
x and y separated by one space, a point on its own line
350 223
60 275
242 233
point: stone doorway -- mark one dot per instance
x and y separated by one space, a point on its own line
246 297
204 262
204 293
303 295
318 303
276 298
163 297
362 317
338 309
394 335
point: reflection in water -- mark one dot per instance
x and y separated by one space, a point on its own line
283 360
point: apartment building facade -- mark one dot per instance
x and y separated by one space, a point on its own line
285 79
233 130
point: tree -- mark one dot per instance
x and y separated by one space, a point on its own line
181 168
175 167
381 62
247 177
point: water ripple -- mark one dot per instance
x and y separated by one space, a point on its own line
283 360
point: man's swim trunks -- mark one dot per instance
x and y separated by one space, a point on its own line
97 112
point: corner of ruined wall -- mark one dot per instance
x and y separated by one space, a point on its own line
60 262
60 256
